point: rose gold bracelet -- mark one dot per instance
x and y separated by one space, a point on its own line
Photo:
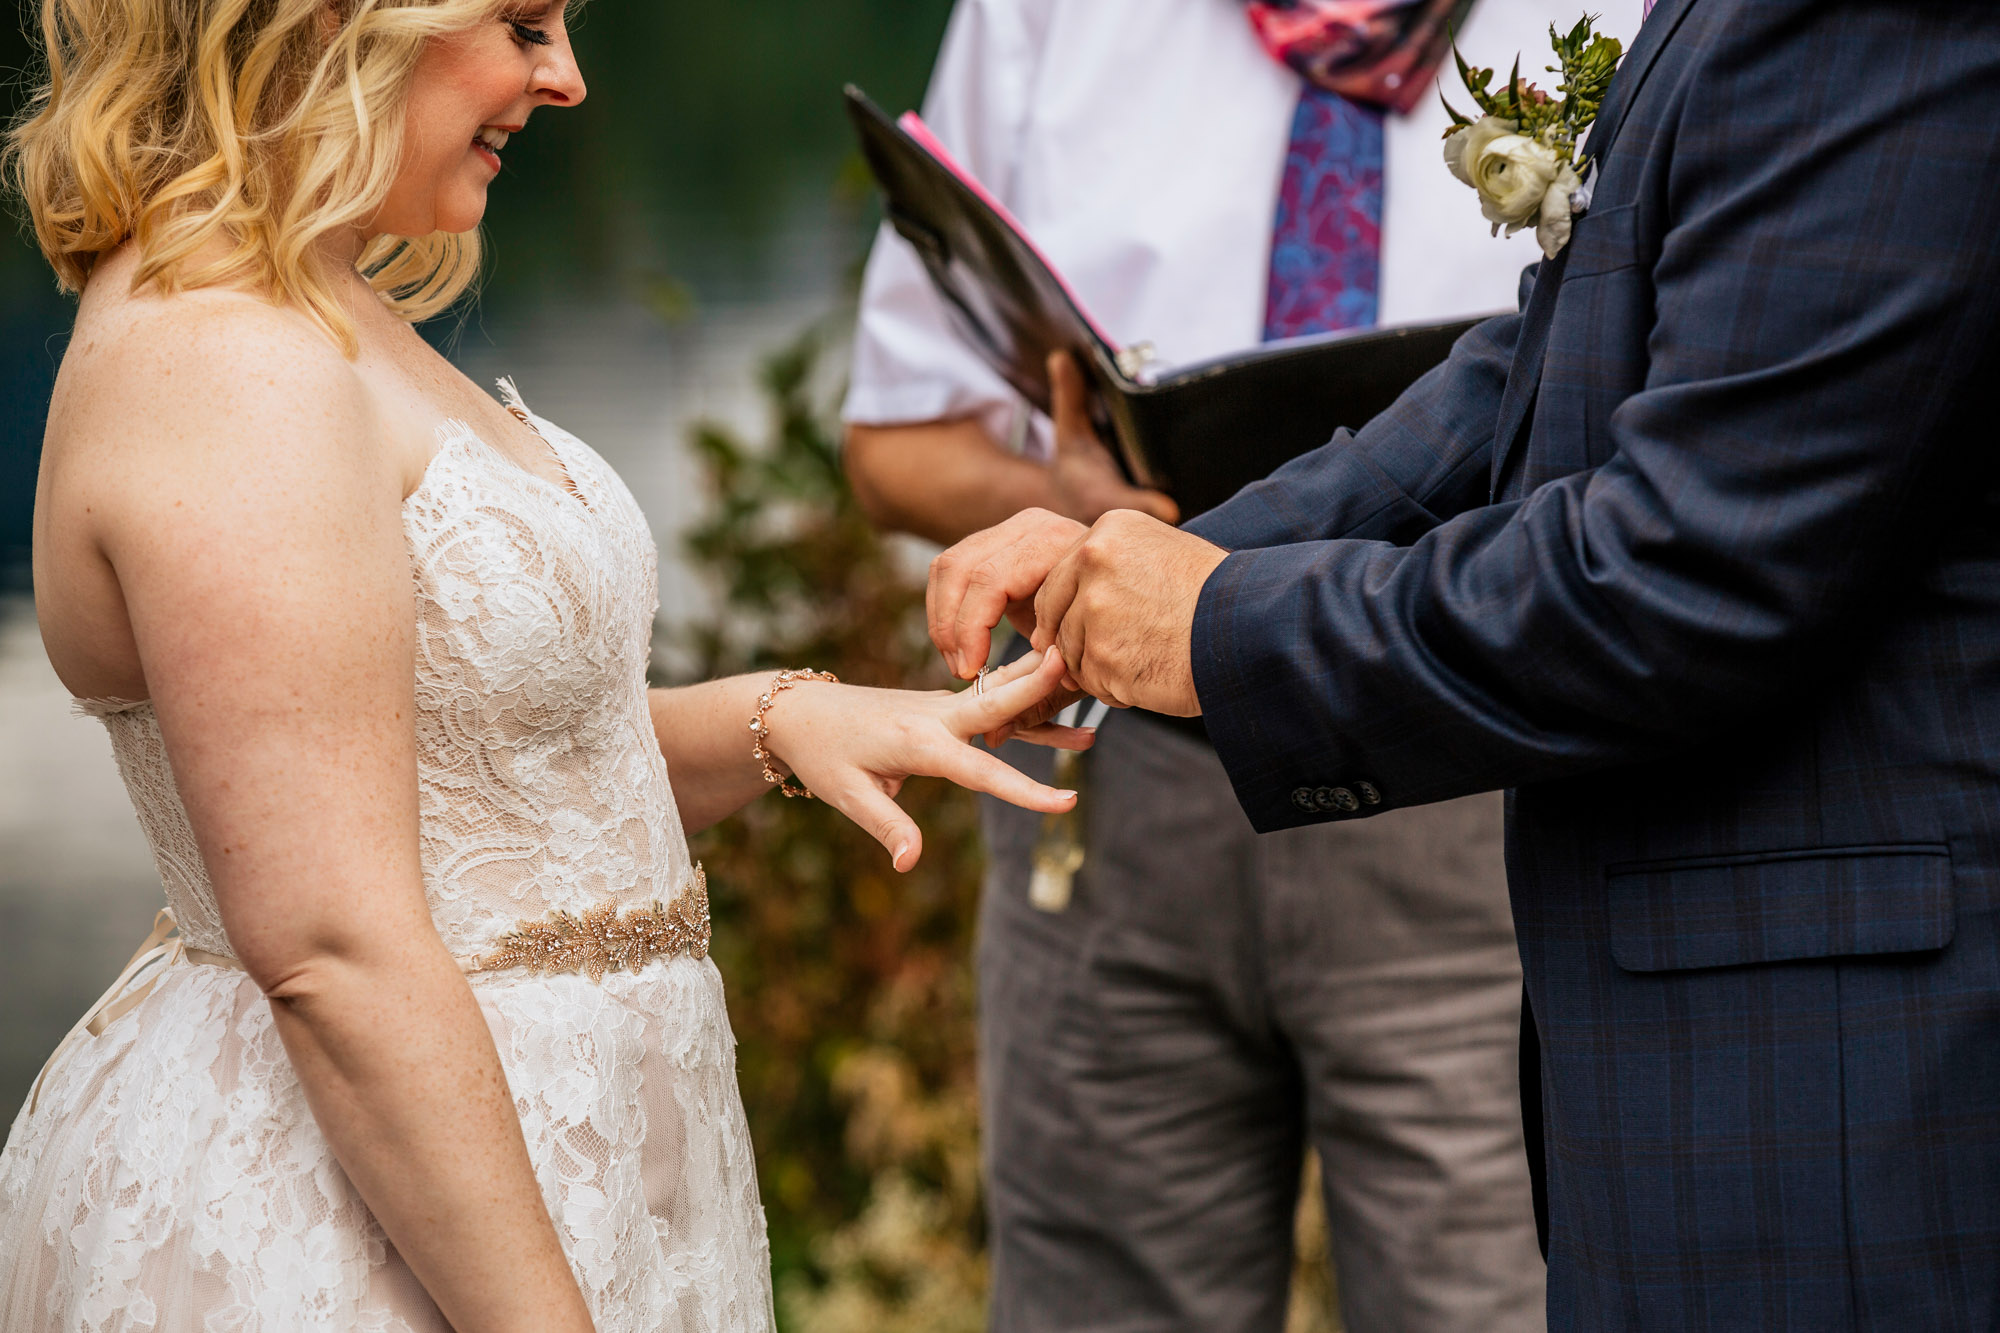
761 729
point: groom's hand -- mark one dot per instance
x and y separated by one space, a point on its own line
1120 604
992 574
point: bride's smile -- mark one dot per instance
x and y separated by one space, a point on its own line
490 140
470 91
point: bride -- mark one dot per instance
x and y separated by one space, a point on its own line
438 1043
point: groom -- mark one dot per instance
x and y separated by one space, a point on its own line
1699 554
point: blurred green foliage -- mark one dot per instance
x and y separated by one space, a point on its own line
850 985
710 146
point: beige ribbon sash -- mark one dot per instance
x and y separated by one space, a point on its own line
161 948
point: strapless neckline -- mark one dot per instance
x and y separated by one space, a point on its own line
450 432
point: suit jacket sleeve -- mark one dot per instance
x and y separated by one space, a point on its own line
1812 421
1422 460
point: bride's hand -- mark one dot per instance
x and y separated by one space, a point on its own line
853 746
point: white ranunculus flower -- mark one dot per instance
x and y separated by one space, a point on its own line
1463 148
1512 174
1552 229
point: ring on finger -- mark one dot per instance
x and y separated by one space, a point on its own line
979 682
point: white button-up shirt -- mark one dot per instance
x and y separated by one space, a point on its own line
1142 143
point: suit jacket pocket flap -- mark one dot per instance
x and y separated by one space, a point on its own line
1825 902
1605 239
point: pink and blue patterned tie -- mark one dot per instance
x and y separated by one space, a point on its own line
1326 240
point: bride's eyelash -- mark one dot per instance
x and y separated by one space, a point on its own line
525 30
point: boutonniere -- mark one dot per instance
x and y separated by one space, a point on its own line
1521 155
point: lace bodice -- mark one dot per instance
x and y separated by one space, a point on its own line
541 784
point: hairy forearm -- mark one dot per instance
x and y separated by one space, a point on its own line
399 1067
941 480
704 735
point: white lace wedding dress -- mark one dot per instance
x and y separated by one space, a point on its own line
169 1175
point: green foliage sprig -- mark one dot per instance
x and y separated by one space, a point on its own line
1585 60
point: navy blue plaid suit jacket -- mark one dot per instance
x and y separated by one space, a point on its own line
1700 555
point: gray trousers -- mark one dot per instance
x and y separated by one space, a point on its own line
1155 1058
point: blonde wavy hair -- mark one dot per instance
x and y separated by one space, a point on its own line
269 123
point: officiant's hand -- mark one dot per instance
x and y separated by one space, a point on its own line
1085 481
1120 605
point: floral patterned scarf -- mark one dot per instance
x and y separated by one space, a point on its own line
1382 52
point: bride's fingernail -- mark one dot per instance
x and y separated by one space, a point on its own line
1068 795
896 857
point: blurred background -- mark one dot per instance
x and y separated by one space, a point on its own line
670 275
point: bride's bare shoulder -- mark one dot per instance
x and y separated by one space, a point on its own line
204 450
200 371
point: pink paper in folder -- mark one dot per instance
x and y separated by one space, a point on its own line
913 125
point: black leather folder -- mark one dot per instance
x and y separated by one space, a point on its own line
1199 432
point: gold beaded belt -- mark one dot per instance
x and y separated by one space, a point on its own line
604 939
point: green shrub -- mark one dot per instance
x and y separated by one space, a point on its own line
850 985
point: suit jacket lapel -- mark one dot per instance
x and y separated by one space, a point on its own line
1646 48
1529 351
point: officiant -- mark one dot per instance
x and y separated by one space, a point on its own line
1163 1033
